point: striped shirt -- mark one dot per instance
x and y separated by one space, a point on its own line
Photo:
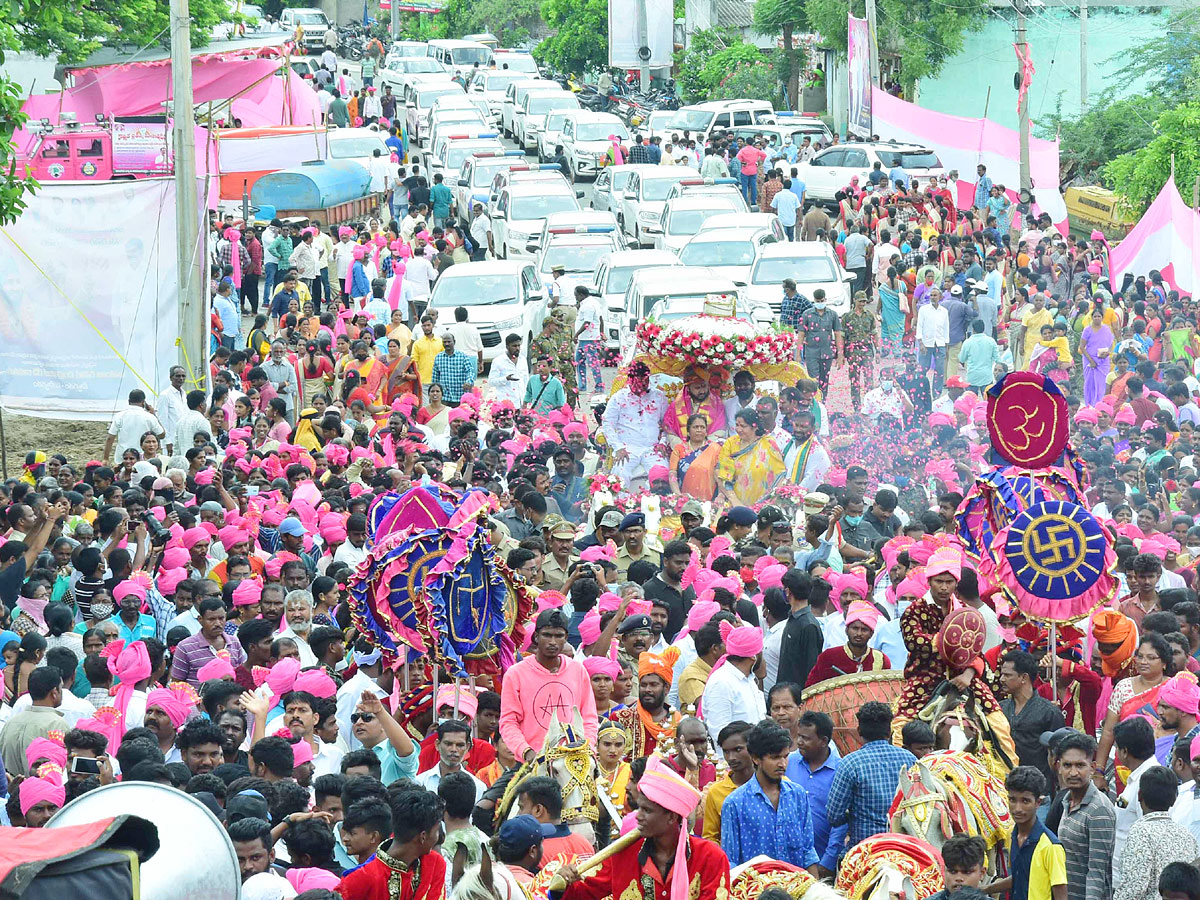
1088 833
192 653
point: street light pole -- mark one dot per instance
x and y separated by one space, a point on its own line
1023 99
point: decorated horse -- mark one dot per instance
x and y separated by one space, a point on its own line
570 760
751 878
951 792
890 865
958 724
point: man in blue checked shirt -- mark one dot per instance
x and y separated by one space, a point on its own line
454 371
865 781
768 814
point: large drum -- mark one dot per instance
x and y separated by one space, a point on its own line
840 698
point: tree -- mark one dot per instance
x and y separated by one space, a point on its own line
1099 135
1137 177
512 21
773 17
711 56
924 34
580 42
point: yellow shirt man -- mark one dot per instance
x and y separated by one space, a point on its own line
424 349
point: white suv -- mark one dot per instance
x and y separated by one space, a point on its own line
831 170
585 140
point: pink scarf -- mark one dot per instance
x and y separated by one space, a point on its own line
235 255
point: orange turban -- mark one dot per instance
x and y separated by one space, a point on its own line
1112 627
660 664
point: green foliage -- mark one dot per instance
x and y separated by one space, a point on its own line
580 42
784 17
924 34
13 187
511 21
1171 64
1138 176
1109 128
757 80
711 56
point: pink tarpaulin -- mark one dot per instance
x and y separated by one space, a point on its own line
963 143
1167 238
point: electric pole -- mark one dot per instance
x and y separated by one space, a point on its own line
395 20
1023 97
872 43
189 252
643 27
1083 62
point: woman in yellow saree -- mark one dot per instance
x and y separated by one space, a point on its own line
749 462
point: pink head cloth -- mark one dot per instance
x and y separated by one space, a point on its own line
129 664
216 670
282 676
47 787
663 786
944 561
248 592
235 255
575 428
178 701
311 878
302 753
468 700
589 628
771 577
659 473
608 602
741 640
1087 414
601 665
46 748
195 535
598 552
316 682
856 584
231 536
168 580
1181 692
862 611
939 418
698 616
550 600
1196 746
911 587
128 587
1125 416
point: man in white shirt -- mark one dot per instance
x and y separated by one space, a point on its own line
128 426
1133 741
353 550
282 374
343 253
453 742
191 423
480 226
420 273
172 403
369 668
633 425
380 169
509 372
732 692
933 336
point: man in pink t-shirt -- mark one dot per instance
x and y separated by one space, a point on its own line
750 156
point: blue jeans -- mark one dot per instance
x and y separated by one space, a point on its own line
934 358
269 272
790 231
750 187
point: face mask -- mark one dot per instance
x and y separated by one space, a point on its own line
820 304
852 520
887 386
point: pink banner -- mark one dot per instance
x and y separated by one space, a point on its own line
858 51
1166 238
963 143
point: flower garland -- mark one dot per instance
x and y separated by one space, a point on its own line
715 341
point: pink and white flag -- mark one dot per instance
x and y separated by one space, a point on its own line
1166 238
963 143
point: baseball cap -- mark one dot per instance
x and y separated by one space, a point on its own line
611 519
247 805
291 526
692 508
521 832
1048 738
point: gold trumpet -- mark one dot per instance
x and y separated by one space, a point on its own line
559 884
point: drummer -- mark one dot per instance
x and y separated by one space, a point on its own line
856 655
920 625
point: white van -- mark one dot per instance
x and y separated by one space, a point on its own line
460 56
702 119
514 96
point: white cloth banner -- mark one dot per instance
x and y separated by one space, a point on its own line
88 298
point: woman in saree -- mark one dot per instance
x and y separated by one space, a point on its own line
1137 695
317 371
749 462
353 389
435 415
693 464
893 310
1051 355
400 375
1095 348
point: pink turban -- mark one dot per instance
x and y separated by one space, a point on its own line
195 535
231 536
178 701
944 561
1125 416
742 640
205 476
862 611
663 786
333 528
771 577
42 789
575 428
856 584
1181 692
337 455
468 700
345 231
302 753
1087 414
598 552
911 587
282 676
216 670
608 602
174 558
46 748
127 587
129 664
550 600
1196 746
939 418
602 665
168 580
316 682
589 628
699 615
248 592
311 878
639 607
659 473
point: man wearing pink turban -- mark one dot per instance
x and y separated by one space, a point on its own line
42 796
696 867
732 692
1179 705
856 656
